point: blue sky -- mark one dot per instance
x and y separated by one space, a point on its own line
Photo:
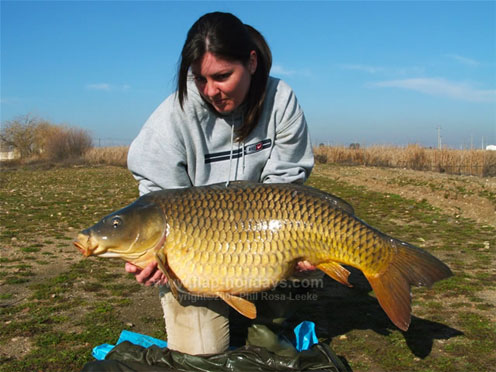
369 72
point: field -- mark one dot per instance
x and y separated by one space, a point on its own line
56 306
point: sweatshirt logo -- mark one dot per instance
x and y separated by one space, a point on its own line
249 149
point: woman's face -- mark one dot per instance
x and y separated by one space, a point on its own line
223 83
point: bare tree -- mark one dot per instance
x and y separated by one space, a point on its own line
20 134
32 136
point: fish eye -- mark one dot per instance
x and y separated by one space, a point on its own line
116 222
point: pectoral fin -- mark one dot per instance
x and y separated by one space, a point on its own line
336 272
239 304
171 278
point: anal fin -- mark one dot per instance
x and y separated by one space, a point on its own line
336 272
242 306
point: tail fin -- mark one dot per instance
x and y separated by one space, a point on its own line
409 266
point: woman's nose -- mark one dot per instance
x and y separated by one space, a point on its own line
210 89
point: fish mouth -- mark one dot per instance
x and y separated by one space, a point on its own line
85 244
85 251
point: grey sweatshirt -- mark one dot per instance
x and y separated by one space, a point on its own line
195 146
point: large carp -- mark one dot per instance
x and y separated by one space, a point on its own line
246 237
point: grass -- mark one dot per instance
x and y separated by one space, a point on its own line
41 211
61 306
56 320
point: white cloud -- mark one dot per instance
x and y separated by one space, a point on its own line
107 87
443 88
9 100
282 71
279 70
364 68
381 69
464 60
99 86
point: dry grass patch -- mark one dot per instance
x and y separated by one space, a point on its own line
107 155
467 162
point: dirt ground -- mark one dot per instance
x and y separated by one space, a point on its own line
460 196
465 196
457 195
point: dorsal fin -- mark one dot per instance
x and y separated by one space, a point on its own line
335 201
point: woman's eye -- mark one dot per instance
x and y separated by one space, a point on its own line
116 222
200 79
222 77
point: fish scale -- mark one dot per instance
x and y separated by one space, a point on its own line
296 237
228 241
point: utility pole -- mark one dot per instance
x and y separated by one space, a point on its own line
439 144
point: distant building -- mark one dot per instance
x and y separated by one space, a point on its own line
491 147
354 146
9 155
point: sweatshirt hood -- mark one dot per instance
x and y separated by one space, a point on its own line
233 118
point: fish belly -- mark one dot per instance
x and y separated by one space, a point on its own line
215 270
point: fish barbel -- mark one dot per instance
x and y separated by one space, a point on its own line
246 237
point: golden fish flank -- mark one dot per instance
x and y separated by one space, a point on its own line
228 241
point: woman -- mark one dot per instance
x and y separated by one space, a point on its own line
227 121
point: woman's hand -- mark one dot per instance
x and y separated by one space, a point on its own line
148 276
151 275
305 266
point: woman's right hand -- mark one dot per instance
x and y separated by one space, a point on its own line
148 276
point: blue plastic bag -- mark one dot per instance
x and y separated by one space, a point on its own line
305 335
100 351
304 332
139 339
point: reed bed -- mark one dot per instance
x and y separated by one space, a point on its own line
116 155
480 163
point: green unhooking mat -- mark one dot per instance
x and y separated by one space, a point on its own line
127 357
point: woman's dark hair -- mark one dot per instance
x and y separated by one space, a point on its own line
225 36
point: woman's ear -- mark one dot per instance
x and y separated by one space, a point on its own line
252 63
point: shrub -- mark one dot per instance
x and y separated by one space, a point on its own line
66 143
34 138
